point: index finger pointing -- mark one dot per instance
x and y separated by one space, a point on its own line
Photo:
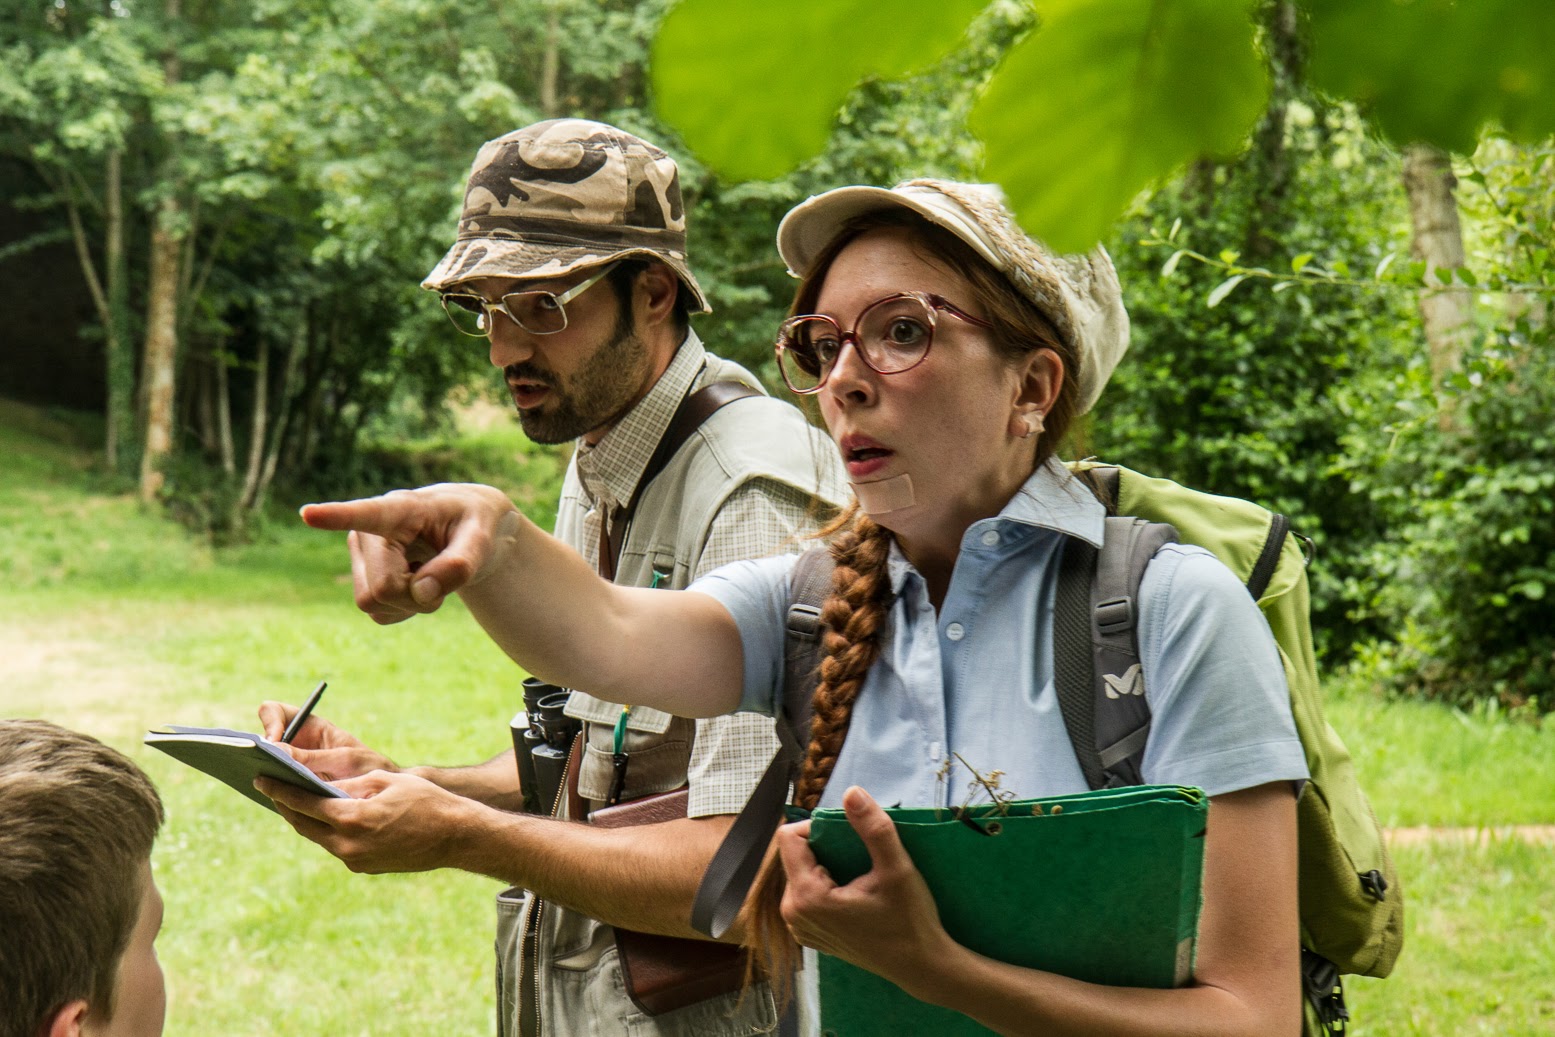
369 514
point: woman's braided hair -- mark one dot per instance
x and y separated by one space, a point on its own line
854 615
853 618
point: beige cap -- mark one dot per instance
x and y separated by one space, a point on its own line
563 194
1079 294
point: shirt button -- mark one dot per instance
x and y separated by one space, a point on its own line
990 538
955 631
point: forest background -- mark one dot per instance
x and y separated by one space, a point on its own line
1334 223
215 216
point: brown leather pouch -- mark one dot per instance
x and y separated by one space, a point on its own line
663 973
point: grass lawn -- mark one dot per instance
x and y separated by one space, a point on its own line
116 621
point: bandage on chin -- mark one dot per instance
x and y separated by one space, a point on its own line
884 495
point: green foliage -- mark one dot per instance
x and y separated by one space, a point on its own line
530 473
1438 70
1469 570
1160 83
1243 392
318 152
1464 482
1109 96
67 100
207 500
886 131
787 68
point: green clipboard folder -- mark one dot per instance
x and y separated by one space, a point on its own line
1101 886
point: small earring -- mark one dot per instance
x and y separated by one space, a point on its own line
1034 424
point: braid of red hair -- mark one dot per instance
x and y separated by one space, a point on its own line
854 616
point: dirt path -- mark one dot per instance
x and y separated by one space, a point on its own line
76 671
1543 835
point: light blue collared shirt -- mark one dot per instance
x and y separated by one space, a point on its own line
975 679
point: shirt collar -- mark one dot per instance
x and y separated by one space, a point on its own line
1055 498
610 469
1051 498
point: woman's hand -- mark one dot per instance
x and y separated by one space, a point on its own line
410 549
885 921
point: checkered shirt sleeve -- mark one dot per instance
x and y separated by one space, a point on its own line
730 753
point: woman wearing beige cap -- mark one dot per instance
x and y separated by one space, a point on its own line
949 354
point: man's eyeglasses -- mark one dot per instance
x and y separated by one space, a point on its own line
539 313
892 335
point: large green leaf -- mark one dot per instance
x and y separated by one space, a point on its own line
1436 70
754 85
1108 97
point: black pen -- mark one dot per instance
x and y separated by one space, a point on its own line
302 714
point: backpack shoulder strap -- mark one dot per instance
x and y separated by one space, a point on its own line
1096 667
811 585
732 870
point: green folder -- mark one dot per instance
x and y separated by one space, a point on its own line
1102 886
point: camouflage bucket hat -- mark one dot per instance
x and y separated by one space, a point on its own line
564 194
1079 294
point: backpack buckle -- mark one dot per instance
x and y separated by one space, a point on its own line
1374 883
804 621
1115 616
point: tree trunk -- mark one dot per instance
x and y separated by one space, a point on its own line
283 414
203 386
164 276
118 358
1446 309
550 63
229 462
1272 165
299 454
257 425
161 353
107 291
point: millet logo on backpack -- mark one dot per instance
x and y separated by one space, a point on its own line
1131 683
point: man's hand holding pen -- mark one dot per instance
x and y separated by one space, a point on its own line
326 750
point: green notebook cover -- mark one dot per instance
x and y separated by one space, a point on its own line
1102 886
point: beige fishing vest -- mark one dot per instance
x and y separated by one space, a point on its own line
579 989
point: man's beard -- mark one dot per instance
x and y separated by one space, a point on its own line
596 394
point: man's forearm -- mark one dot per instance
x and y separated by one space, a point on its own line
641 878
493 783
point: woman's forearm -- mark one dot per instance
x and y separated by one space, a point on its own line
536 598
548 610
1017 1001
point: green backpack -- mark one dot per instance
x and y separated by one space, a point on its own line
1351 903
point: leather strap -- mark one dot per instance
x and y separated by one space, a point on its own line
666 973
688 417
733 868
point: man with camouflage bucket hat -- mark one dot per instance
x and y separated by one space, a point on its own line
550 212
564 195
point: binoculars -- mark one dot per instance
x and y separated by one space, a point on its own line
542 735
